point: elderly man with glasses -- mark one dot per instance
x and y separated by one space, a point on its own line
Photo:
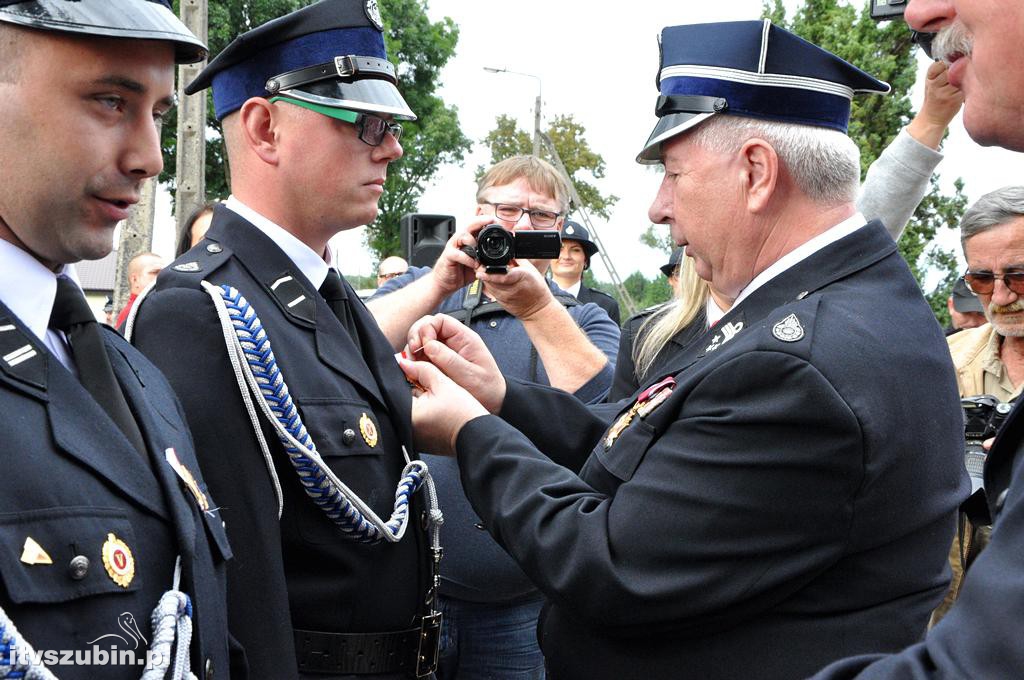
537 332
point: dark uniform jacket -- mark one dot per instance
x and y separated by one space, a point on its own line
71 479
602 300
792 501
980 636
296 572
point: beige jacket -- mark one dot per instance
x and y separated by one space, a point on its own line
975 353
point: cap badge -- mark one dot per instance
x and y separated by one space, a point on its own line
368 430
33 553
570 230
789 329
118 561
373 14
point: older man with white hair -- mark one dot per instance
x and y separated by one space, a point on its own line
770 499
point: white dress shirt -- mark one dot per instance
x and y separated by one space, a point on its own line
311 264
28 289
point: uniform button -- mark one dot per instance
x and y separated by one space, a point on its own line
493 324
209 669
213 248
348 436
78 567
1001 501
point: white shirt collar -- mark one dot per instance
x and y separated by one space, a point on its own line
573 290
311 264
28 288
800 253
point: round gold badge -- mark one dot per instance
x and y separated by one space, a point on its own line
368 430
118 561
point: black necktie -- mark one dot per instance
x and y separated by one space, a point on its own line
333 291
72 315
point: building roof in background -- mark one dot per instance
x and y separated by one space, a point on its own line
98 275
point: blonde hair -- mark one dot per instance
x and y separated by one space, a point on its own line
655 332
539 174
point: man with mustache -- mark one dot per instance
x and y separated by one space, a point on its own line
980 636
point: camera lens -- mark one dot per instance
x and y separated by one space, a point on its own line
494 245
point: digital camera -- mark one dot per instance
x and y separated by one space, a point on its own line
496 246
983 416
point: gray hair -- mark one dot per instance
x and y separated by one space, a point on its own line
992 210
824 163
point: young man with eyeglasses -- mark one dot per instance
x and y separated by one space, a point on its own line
537 332
309 106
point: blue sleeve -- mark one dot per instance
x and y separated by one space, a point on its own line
604 334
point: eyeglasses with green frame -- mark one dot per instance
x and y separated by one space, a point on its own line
371 128
513 213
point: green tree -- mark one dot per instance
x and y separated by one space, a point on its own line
581 162
420 49
885 51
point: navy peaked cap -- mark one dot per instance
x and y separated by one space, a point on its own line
330 53
750 68
964 300
574 231
673 262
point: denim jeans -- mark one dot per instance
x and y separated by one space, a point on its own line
490 641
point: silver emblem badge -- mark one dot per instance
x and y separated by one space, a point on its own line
789 329
373 14
186 267
214 248
570 230
728 332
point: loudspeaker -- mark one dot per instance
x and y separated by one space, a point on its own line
423 237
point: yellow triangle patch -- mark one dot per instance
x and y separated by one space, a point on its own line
33 553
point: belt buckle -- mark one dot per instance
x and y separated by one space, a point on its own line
430 641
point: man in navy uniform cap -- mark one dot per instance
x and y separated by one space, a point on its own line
107 528
567 270
321 586
770 499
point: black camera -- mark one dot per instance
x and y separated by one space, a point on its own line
496 246
887 9
983 416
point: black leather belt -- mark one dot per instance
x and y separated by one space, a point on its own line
412 651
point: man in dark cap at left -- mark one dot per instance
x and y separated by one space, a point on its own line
300 413
112 551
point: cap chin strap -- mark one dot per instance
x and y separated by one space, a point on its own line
348 67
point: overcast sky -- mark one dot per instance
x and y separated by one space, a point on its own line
598 61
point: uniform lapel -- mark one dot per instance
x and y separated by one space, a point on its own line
295 296
145 406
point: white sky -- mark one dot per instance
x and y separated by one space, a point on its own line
598 62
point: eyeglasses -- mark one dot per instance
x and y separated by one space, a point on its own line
371 128
983 283
388 277
513 213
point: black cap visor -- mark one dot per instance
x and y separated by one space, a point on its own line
138 19
668 126
368 95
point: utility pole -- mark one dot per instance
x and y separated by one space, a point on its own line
536 106
191 169
136 237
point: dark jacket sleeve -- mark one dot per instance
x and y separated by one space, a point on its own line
980 636
723 478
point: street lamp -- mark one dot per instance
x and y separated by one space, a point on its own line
536 107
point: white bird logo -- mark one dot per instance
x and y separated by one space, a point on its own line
126 622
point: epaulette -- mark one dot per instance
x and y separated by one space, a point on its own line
195 265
